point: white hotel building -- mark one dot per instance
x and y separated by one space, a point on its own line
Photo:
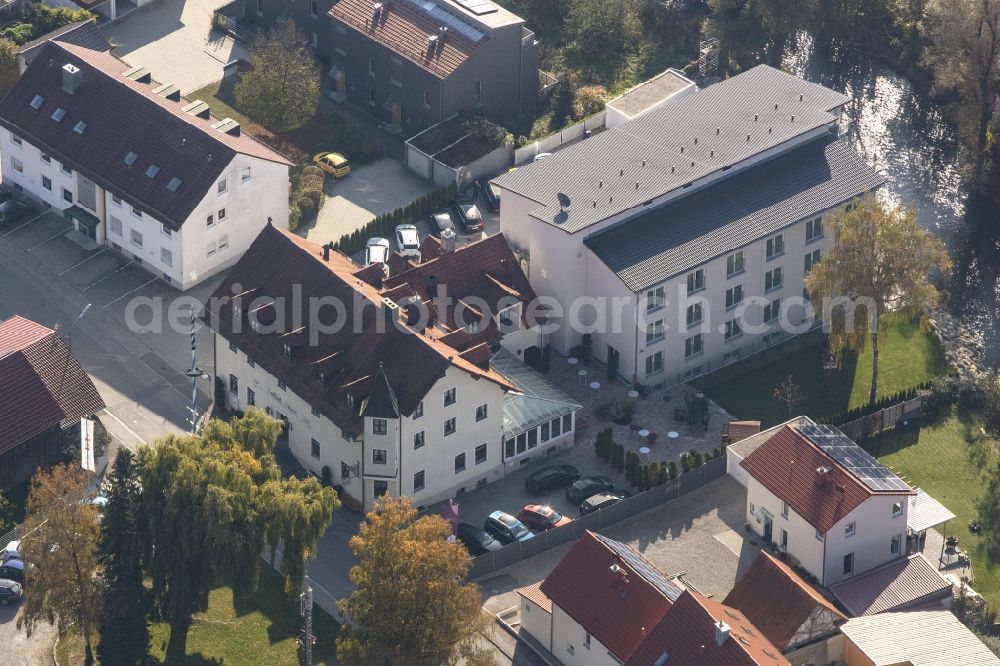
137 167
697 220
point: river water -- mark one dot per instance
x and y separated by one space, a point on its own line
905 136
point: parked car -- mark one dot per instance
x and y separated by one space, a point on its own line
440 220
5 194
334 164
12 569
587 487
468 214
408 241
10 592
491 195
540 517
506 528
476 540
600 501
548 478
13 549
13 210
377 251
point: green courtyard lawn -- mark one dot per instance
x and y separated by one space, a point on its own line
909 355
260 631
951 461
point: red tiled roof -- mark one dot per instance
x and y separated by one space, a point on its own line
786 465
903 583
404 30
534 594
618 609
281 265
688 634
777 600
42 383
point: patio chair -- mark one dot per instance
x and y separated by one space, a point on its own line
633 430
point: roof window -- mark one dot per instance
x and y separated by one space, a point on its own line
59 114
174 183
36 103
131 158
80 126
152 170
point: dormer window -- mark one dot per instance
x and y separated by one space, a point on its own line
152 170
286 351
131 157
37 101
59 114
80 127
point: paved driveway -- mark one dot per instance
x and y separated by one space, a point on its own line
18 649
369 191
174 39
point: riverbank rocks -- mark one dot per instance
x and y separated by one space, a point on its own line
960 348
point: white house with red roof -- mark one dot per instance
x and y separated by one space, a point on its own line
825 501
605 604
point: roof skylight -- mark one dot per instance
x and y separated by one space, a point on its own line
36 103
131 158
80 126
174 183
152 170
59 114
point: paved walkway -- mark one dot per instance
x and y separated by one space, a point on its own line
174 39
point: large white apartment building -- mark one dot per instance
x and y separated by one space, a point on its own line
695 223
137 167
825 501
393 393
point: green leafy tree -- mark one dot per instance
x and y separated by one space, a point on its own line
124 633
603 28
212 504
64 581
8 65
879 261
429 615
6 514
282 90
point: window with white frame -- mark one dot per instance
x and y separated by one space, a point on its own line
210 220
773 279
459 463
418 410
696 281
245 174
17 165
418 481
210 250
784 509
894 544
732 329
481 412
772 310
694 314
418 440
814 229
848 564
165 230
655 299
427 98
166 257
116 226
734 296
379 456
654 331
47 183
480 454
775 246
116 200
222 186
223 242
222 214
371 67
46 158
449 397
693 346
15 139
136 238
380 426
897 509
811 260
654 363
315 448
850 528
734 264
449 427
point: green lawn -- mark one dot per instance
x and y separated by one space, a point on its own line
259 632
909 355
950 460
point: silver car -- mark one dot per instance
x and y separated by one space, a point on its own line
377 251
408 241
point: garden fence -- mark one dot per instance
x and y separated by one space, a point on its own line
649 499
882 420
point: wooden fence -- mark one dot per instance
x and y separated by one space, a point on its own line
882 420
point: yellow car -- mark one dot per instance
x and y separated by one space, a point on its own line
334 164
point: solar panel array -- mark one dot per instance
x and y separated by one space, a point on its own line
642 567
479 7
853 458
450 20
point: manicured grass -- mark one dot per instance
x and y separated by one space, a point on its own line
260 631
909 355
951 461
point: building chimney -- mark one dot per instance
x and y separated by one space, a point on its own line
432 286
326 252
448 241
390 311
71 78
721 632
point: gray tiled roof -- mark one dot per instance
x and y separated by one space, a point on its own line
674 238
632 163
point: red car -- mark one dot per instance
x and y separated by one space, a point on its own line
541 517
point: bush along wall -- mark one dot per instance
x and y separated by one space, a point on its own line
384 225
880 404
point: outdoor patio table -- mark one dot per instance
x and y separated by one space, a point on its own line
643 434
572 360
644 451
595 389
582 376
673 434
633 394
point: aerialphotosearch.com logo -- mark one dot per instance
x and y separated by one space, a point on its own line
317 316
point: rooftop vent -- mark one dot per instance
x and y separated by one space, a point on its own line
621 172
36 102
821 470
59 114
644 163
71 78
448 240
600 184
672 169
228 126
377 8
168 91
721 632
755 117
79 127
431 41
793 117
174 183
197 108
152 170
696 141
775 106
717 130
139 75
801 97
711 153
131 157
748 137
682 149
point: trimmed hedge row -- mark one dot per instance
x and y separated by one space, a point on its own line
880 404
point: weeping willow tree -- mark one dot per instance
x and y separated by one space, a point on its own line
879 261
213 503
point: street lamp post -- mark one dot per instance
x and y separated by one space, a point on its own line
69 333
194 372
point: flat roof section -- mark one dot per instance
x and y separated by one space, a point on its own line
650 93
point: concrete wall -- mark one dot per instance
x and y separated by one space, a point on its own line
733 468
549 143
536 621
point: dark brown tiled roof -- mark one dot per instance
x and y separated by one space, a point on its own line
404 30
687 633
786 465
81 33
282 265
898 585
122 115
778 601
41 383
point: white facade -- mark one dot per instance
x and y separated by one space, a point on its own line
537 621
872 534
574 646
254 190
